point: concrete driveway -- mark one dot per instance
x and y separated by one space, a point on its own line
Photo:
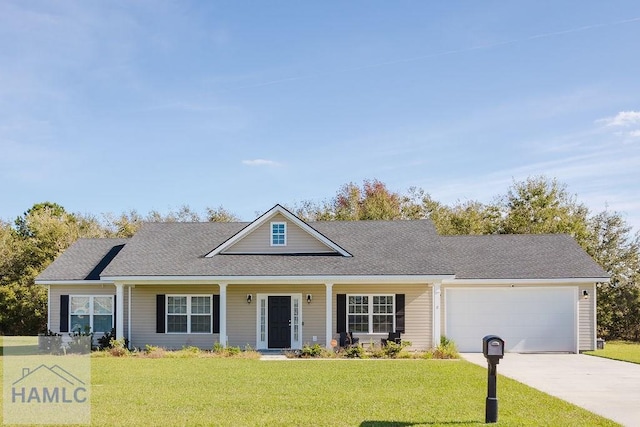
603 386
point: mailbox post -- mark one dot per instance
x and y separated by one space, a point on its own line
493 350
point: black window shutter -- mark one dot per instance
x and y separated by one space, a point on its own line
400 313
64 313
216 314
341 313
160 302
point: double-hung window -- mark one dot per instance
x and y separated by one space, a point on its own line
91 313
371 314
189 314
278 234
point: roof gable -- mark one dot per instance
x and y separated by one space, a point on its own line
411 248
301 237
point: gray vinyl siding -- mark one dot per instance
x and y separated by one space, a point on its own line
298 240
586 318
97 289
418 312
242 317
143 317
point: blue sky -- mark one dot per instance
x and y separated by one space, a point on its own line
111 106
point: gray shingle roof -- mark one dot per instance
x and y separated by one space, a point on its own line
84 260
378 248
520 256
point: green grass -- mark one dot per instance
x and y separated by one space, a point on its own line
619 350
208 391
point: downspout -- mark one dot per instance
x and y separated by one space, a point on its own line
48 308
129 316
594 344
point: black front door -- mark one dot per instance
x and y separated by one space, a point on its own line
279 322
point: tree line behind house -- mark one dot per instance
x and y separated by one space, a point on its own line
537 205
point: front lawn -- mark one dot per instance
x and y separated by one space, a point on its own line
209 391
619 350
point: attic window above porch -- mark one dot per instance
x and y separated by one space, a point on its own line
278 234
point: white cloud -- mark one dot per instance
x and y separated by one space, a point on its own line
260 162
623 118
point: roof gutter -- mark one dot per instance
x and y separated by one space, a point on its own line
560 281
249 280
74 282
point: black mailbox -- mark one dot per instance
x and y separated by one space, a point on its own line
493 347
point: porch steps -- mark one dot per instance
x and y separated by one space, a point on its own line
272 355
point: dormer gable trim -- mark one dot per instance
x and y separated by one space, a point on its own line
264 218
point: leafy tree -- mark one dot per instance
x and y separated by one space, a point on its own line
220 214
183 214
469 217
45 231
9 252
22 222
613 246
412 204
124 225
541 205
39 236
23 308
371 201
307 210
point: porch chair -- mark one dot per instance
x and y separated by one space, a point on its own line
347 339
393 336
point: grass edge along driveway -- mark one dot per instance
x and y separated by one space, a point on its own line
367 393
625 351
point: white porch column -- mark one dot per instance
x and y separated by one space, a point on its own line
129 315
436 314
119 311
329 315
223 314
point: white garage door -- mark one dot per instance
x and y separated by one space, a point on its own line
527 319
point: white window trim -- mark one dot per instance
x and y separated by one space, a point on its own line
370 314
264 299
91 297
271 234
188 314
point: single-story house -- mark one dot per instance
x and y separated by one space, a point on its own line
280 282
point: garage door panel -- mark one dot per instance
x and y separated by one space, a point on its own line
528 319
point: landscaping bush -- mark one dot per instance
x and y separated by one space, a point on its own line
446 350
311 351
118 348
81 341
314 351
49 343
355 351
392 349
154 352
190 349
221 351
